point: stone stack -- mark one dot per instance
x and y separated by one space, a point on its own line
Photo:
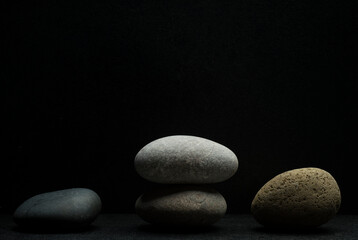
183 165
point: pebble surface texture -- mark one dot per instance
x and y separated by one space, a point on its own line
181 205
75 207
300 198
184 159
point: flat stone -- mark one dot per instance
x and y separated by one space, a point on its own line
300 198
181 205
74 207
185 159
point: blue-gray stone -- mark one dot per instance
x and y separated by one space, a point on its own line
75 207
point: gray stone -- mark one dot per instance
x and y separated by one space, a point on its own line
74 207
300 198
185 159
181 205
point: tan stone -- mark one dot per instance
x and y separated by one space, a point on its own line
181 205
305 197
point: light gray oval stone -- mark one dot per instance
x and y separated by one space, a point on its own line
184 159
75 207
299 198
179 205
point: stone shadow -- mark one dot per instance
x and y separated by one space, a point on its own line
54 230
160 229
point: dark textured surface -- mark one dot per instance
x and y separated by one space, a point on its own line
130 226
88 83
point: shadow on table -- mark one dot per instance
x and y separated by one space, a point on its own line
53 230
321 231
149 228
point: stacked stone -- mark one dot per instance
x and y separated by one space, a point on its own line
183 165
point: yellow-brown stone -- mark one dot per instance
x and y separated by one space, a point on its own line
305 197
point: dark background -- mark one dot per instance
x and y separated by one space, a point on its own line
87 84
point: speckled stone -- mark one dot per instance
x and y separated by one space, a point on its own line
185 160
300 198
69 208
181 205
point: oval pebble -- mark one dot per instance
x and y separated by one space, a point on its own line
184 159
181 205
75 207
300 198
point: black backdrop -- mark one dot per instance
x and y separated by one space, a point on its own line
87 84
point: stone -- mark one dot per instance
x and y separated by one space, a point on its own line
184 159
300 198
181 205
75 207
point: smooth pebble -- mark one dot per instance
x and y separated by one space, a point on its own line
75 207
181 205
182 159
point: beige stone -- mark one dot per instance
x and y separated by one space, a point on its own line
305 197
181 205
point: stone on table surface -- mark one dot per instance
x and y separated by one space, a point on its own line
75 207
300 198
